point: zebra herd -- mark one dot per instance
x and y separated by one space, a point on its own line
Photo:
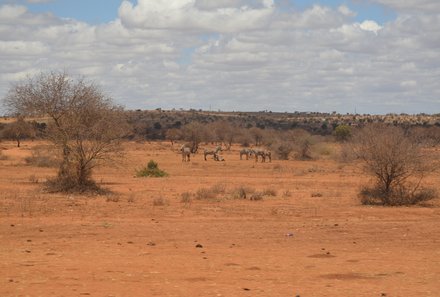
187 149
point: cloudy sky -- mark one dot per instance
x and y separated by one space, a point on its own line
368 56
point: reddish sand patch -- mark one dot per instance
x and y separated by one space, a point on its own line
144 241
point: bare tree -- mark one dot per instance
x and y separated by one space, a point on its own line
173 134
194 132
18 130
397 164
84 125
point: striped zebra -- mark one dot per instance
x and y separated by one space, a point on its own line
263 153
213 152
186 153
187 149
246 152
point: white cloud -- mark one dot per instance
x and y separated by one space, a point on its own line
369 25
236 55
186 15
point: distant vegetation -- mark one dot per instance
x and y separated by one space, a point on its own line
86 128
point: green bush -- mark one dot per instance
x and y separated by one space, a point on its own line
152 170
342 132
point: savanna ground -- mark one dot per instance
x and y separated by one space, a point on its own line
308 236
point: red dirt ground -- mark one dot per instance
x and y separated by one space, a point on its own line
312 238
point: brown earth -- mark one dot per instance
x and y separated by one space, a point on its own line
312 238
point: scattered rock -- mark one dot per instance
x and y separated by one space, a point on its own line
12 225
199 246
27 251
29 240
151 243
246 289
41 230
130 242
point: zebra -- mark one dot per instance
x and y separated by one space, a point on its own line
186 153
213 152
263 153
247 152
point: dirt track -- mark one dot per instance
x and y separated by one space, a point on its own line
311 239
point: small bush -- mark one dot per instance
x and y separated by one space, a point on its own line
342 133
205 193
398 197
42 157
257 196
185 197
269 192
70 185
241 192
152 170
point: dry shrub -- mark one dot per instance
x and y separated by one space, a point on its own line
269 192
211 193
186 197
112 198
242 192
257 196
398 197
346 154
43 156
282 149
68 184
396 163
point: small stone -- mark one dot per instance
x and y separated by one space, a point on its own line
151 243
199 246
12 225
246 289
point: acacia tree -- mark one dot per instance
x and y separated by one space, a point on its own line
83 124
396 162
18 130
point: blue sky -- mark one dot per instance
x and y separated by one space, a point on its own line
91 11
100 11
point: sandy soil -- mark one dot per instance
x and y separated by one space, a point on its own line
312 238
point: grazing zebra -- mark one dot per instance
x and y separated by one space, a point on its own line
186 153
213 152
263 153
193 147
217 157
247 152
